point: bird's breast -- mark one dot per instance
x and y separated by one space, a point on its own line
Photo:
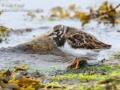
77 52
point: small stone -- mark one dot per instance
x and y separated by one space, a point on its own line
0 40
118 30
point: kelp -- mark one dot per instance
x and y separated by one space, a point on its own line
105 13
94 77
4 31
19 80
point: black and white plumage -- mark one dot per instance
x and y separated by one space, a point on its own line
76 42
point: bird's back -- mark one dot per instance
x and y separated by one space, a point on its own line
80 39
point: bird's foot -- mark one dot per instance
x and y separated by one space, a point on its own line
77 64
76 68
74 61
68 66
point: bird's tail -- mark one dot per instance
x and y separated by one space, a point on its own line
106 46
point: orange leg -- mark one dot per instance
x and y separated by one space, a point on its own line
72 63
77 64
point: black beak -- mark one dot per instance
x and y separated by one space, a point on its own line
50 34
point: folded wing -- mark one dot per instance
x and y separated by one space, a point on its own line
80 39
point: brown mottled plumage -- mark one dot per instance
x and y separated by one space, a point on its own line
76 42
79 39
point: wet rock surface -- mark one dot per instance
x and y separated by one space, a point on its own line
14 56
10 58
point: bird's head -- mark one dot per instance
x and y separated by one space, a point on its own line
58 31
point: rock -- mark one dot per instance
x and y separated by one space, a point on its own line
41 44
118 30
0 40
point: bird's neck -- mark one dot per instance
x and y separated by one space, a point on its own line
60 41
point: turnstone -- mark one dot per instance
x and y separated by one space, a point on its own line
76 42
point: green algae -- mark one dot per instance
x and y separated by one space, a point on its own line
101 76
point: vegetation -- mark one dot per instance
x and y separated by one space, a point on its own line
105 13
95 77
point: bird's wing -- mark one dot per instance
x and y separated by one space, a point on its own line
80 39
